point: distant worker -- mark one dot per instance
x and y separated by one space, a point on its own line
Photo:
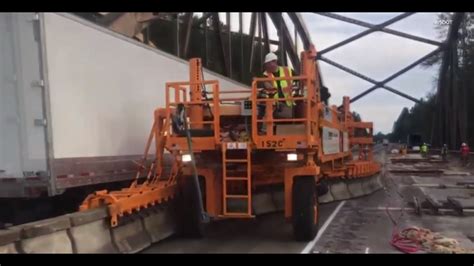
366 152
403 150
444 152
424 150
464 154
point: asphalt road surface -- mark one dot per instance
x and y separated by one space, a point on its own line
266 234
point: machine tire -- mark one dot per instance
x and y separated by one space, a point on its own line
189 217
305 217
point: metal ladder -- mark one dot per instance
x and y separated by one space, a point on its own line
228 180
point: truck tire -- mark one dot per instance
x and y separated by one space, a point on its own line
305 204
190 223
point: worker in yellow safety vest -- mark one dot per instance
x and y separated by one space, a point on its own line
284 88
424 150
278 89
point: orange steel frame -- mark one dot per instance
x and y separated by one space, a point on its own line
267 164
152 191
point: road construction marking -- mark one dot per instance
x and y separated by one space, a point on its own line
313 242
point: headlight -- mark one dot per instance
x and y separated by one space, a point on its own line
292 157
186 158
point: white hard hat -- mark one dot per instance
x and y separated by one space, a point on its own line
270 57
463 144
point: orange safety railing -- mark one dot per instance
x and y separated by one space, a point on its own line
176 93
309 116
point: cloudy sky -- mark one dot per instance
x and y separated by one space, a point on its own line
377 55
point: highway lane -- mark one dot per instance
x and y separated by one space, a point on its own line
266 234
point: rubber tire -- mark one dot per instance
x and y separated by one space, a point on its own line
304 199
190 223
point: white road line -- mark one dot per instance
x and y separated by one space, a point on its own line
313 242
367 250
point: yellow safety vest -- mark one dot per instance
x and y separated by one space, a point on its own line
287 90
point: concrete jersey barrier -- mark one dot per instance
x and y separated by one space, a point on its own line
88 232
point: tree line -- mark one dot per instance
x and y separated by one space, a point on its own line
423 117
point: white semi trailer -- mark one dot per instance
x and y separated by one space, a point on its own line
76 106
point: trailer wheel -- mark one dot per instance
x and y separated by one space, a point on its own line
189 217
305 203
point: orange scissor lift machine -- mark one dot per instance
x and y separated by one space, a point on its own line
219 158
